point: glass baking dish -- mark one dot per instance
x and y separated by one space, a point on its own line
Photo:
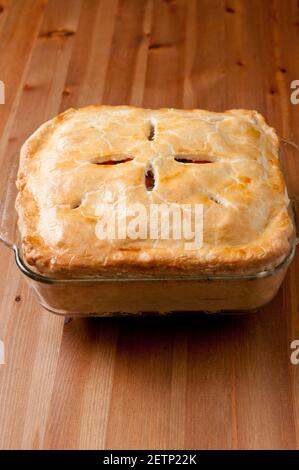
94 296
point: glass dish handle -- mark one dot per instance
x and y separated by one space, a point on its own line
8 216
289 157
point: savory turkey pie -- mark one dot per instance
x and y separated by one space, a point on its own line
83 159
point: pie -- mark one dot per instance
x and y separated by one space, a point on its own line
84 162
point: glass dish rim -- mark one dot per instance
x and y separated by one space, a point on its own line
97 279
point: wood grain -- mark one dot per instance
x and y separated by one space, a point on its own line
164 383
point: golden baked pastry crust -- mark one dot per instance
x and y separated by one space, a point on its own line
60 181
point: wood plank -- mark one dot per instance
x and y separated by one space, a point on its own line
258 83
20 24
87 72
164 71
287 33
36 335
124 39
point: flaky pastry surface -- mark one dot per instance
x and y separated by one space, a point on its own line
62 180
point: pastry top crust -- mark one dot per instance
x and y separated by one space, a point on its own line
62 183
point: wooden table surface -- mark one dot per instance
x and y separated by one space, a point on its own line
161 383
